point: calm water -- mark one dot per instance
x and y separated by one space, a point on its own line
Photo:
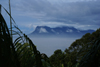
49 45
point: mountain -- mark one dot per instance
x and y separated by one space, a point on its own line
63 31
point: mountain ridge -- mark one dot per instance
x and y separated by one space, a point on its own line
59 31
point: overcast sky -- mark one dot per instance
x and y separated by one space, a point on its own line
82 14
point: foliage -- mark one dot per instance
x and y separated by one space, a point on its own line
84 52
92 59
57 58
20 53
8 54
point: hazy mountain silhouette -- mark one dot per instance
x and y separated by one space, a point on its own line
63 31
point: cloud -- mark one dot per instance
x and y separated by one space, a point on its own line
77 13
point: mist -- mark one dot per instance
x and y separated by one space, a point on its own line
48 45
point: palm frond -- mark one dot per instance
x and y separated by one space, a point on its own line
7 51
21 51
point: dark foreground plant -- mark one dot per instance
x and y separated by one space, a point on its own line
8 56
20 53
92 58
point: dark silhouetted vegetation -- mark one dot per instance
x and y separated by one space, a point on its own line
20 53
84 52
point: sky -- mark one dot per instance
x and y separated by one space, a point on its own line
81 14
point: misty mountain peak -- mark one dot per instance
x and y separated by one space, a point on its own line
59 31
43 30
